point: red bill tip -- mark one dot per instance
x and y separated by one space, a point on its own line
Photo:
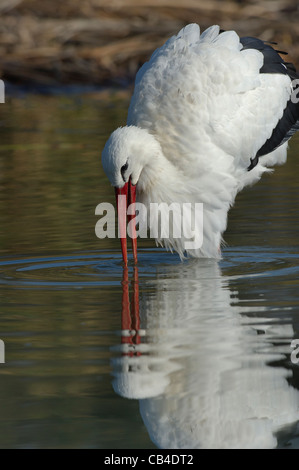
122 203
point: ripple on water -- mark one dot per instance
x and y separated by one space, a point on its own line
264 262
75 271
205 337
102 268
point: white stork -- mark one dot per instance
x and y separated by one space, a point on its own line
210 114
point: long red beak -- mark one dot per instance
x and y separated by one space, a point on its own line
128 193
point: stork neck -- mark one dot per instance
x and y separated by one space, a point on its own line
158 172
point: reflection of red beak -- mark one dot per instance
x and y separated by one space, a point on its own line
130 318
129 191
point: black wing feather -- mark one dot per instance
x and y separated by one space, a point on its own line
289 122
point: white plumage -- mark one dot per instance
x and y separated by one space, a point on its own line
200 113
204 375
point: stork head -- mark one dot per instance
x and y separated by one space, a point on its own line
127 152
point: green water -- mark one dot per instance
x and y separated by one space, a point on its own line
215 336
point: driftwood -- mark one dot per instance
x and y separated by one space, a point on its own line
53 42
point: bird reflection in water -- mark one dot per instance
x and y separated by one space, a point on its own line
130 315
200 364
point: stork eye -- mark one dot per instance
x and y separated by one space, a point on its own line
123 170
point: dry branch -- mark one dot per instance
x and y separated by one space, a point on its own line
95 41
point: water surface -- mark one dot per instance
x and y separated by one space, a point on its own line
183 355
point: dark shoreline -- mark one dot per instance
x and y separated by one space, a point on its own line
103 43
